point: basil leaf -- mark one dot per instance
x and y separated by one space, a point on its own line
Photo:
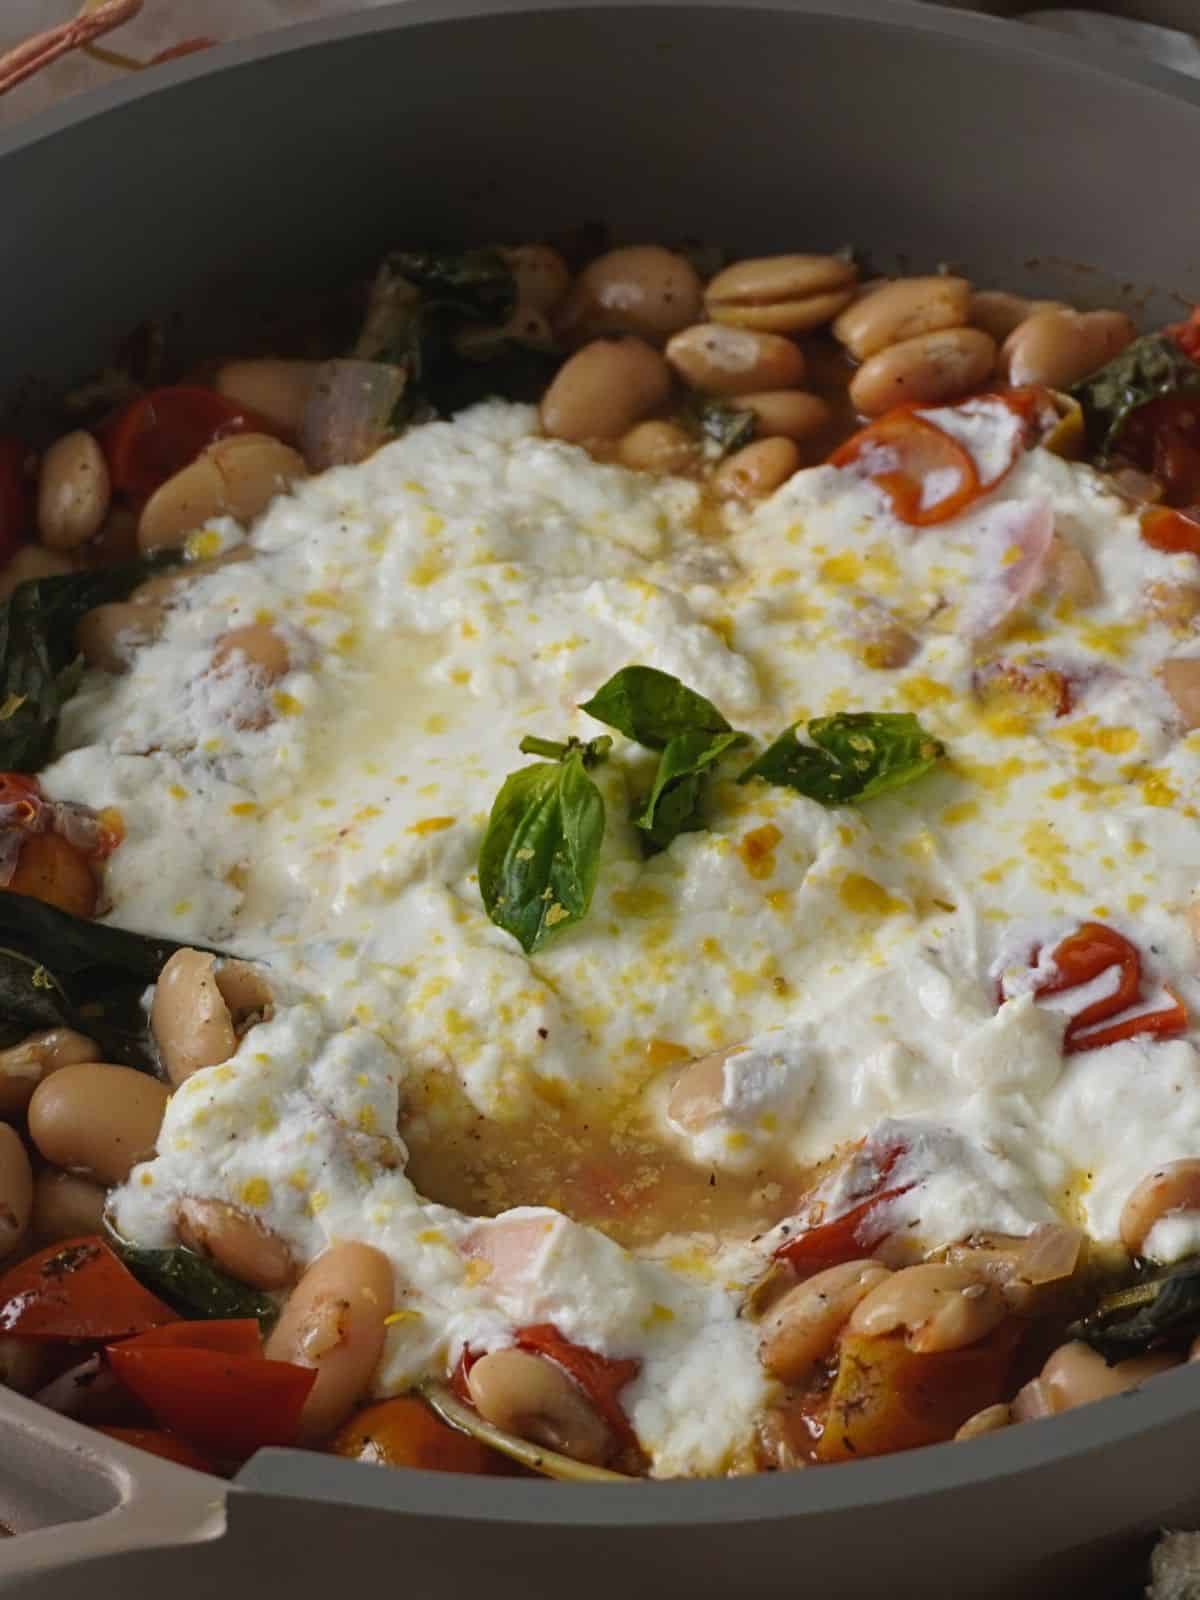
1163 1310
57 970
652 707
38 667
675 802
541 853
721 423
191 1285
1150 367
854 755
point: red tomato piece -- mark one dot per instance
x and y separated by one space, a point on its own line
1081 957
1169 1019
855 1233
600 1377
16 502
230 1336
161 432
161 1443
1162 437
904 454
227 1405
21 793
77 1290
1187 335
1165 529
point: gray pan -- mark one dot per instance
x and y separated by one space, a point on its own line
232 177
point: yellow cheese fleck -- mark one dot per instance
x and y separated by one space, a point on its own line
661 1053
863 895
243 808
964 811
256 1192
757 850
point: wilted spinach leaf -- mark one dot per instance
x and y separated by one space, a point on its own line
1150 367
191 1285
675 803
57 970
541 853
419 300
1158 1311
38 660
653 707
854 755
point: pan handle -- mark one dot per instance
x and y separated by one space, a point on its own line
73 1495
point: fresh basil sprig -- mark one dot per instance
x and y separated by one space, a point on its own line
1145 370
541 852
854 755
1145 1316
656 710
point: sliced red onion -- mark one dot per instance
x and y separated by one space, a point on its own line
88 1390
350 413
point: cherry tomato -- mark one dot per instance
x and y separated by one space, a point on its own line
161 432
227 1405
405 1433
1187 335
911 459
846 1238
23 794
1165 529
77 1290
1080 958
16 501
161 1443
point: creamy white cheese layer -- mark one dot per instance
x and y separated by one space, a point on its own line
473 583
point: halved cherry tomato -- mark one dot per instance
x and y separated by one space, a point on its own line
906 455
1169 530
1162 437
228 1405
161 432
405 1433
77 1290
161 1443
16 502
230 1336
1167 1020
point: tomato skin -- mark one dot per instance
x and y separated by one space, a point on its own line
405 1433
1169 530
227 1405
158 1442
1187 335
22 792
1081 957
161 432
846 1238
16 499
907 449
231 1336
77 1290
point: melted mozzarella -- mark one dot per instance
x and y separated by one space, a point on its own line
473 583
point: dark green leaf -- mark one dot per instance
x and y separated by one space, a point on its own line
419 300
652 707
57 970
191 1285
541 852
854 756
722 423
1158 1311
675 803
38 667
1148 368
